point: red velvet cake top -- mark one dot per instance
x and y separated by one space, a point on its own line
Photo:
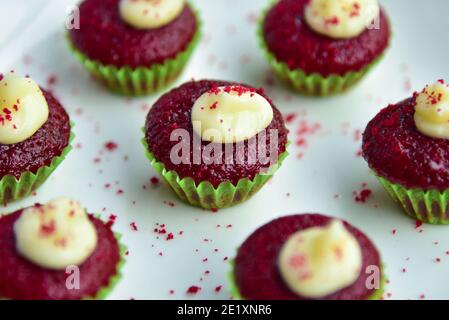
173 111
293 42
256 271
23 280
105 37
397 151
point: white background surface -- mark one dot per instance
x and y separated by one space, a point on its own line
32 42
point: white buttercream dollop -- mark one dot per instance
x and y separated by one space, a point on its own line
150 14
56 235
23 108
432 110
341 19
230 114
319 261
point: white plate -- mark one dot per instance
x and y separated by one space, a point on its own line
312 176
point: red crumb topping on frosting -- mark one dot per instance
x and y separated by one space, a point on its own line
173 111
396 150
23 280
256 272
293 42
105 37
38 150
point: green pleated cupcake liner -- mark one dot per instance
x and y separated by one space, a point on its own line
104 292
140 81
235 292
13 189
205 195
428 206
313 84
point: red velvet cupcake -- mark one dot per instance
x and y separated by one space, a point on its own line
34 136
216 143
407 147
323 47
307 257
57 252
135 47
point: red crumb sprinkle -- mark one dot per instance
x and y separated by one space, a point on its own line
422 296
120 192
171 292
218 289
154 181
289 118
133 226
193 290
52 80
111 146
170 236
169 203
362 196
404 270
437 260
394 231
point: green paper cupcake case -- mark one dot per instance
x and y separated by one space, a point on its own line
205 195
313 84
428 206
235 292
143 80
104 292
13 189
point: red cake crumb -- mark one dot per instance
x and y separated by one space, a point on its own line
133 226
173 111
111 146
39 150
105 37
256 272
52 80
193 290
292 41
154 181
23 280
218 289
362 195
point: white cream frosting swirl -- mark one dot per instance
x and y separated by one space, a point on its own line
230 114
150 14
23 108
432 110
56 235
341 19
319 261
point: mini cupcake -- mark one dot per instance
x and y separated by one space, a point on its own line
323 47
135 47
407 147
215 143
307 257
57 252
34 136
